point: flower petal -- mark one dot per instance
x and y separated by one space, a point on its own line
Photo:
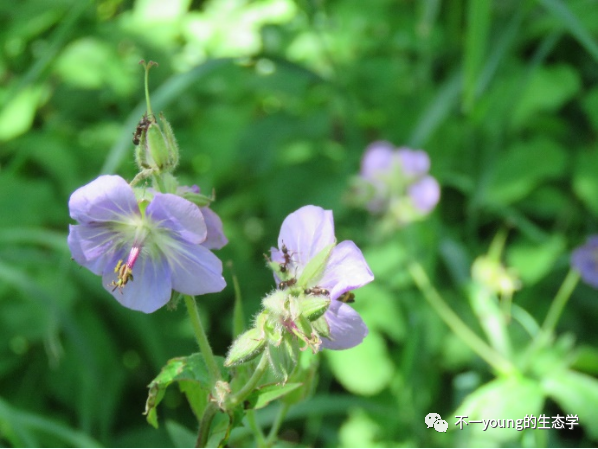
425 194
347 329
107 198
150 288
196 270
216 238
585 260
413 162
91 246
178 216
378 158
305 233
346 270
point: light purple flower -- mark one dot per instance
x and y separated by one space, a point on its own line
585 260
143 250
397 181
305 233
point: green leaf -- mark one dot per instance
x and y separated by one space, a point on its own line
264 395
590 106
523 168
548 89
365 369
570 21
22 428
478 23
192 369
180 435
314 269
577 394
502 398
16 117
585 181
532 260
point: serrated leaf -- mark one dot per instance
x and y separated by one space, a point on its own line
264 395
190 369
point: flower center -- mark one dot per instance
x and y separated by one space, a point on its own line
125 270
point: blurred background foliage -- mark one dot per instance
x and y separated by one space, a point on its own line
273 103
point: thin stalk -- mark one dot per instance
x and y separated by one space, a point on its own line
238 397
201 337
147 67
260 439
558 304
461 330
205 423
282 413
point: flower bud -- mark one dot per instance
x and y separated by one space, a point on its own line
283 358
246 347
157 150
313 307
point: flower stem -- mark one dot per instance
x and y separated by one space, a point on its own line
238 397
282 412
147 67
557 306
202 339
204 424
452 320
260 439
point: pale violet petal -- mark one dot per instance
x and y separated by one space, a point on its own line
178 216
107 198
585 260
414 163
346 270
91 246
150 288
196 270
378 158
306 232
425 194
216 238
347 329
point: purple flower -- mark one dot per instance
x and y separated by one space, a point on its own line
397 181
143 250
304 234
585 260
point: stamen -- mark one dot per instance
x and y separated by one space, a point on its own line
125 271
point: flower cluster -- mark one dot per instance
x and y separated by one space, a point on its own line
396 182
145 247
314 277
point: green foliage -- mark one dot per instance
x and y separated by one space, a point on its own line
273 103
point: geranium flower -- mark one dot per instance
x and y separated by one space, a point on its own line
397 181
303 235
585 260
144 250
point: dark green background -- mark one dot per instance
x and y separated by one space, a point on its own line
273 103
